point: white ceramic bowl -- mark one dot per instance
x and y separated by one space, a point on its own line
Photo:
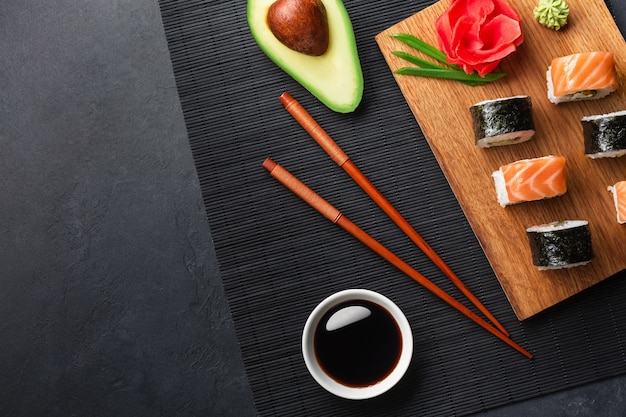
331 385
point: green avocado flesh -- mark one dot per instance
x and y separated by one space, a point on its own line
335 77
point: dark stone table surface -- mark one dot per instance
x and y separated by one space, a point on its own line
111 302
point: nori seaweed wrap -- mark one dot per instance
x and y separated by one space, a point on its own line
605 135
504 121
561 244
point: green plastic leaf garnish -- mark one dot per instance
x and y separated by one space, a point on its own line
427 68
473 79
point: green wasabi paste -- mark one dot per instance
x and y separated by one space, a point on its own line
552 13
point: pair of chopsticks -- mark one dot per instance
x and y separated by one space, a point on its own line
335 216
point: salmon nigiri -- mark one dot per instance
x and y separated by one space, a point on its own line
619 198
530 180
583 76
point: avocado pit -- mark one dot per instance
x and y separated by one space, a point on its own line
300 25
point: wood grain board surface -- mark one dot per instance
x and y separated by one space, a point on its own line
441 107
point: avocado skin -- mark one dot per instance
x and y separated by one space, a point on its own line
335 77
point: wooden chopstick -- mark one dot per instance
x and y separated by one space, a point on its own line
335 216
341 158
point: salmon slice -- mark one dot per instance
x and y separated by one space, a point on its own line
531 180
586 75
619 198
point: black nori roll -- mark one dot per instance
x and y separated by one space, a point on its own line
502 121
605 135
562 244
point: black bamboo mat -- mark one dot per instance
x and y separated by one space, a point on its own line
278 258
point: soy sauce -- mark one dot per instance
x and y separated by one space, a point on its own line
358 343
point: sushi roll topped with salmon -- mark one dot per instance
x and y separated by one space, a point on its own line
582 76
619 199
530 180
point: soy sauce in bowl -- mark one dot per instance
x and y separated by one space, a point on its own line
357 343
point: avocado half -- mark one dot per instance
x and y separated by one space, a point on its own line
335 77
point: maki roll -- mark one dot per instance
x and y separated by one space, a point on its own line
561 244
583 76
619 200
530 180
605 135
502 121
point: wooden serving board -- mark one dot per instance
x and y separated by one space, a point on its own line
441 108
